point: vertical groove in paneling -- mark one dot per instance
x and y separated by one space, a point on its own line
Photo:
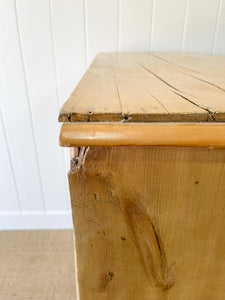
101 26
152 25
39 66
219 46
135 22
58 98
185 25
76 269
28 103
85 34
10 162
58 95
217 27
69 35
201 25
168 27
119 12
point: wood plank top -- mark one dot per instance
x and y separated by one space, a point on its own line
149 87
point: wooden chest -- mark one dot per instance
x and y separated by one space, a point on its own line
147 177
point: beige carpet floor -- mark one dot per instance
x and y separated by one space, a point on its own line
37 264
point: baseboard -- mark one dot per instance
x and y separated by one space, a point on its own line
35 220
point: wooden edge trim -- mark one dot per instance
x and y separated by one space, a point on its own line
141 134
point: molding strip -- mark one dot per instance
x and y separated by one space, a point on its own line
142 134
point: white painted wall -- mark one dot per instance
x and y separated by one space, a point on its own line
45 47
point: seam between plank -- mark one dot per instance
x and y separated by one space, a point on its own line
211 113
29 104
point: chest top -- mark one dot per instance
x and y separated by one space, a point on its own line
149 87
147 99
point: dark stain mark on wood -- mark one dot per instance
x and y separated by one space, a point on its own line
89 116
105 278
69 117
123 238
196 182
148 243
111 274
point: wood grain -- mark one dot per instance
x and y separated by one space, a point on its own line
149 222
149 87
134 134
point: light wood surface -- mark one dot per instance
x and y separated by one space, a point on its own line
37 265
136 134
149 87
209 69
149 222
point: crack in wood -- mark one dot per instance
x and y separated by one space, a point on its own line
210 112
158 101
158 77
167 61
124 117
190 70
78 161
175 91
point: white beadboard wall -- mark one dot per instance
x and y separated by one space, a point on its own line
45 47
